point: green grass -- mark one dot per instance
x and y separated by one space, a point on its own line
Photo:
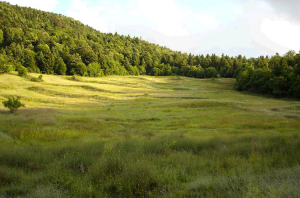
146 137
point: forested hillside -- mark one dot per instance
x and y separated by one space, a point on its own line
54 44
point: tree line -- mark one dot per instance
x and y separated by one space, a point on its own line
279 76
50 43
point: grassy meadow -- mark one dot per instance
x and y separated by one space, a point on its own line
144 136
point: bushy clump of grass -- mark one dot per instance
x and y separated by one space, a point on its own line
95 149
36 88
202 104
108 167
274 183
50 134
208 186
170 165
22 71
38 79
80 163
50 92
25 158
258 125
120 177
75 78
47 191
176 77
149 134
9 176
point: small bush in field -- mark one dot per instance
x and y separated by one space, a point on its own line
22 71
39 79
75 78
13 104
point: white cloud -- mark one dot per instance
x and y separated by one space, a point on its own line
201 19
88 14
174 19
282 32
286 9
269 31
166 15
47 5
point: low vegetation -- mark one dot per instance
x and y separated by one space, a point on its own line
13 104
143 136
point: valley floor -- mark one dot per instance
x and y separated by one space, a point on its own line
144 136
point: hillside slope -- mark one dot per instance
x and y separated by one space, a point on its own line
50 43
55 44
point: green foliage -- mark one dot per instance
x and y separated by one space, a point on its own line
94 70
29 60
38 79
1 36
211 72
14 35
13 104
53 44
161 137
5 66
279 80
22 71
75 78
60 66
79 68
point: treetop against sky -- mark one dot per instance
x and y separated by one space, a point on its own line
251 28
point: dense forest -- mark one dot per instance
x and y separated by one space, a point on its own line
44 42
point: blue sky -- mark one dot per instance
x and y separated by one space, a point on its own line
251 28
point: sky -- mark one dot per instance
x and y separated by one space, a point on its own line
247 27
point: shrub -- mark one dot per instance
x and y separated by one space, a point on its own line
94 70
75 78
13 103
211 72
78 69
39 79
22 71
5 66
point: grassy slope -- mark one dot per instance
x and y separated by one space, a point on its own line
146 136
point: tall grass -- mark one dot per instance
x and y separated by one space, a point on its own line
183 138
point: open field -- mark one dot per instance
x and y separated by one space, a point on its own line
143 136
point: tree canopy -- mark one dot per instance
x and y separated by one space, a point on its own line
50 43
